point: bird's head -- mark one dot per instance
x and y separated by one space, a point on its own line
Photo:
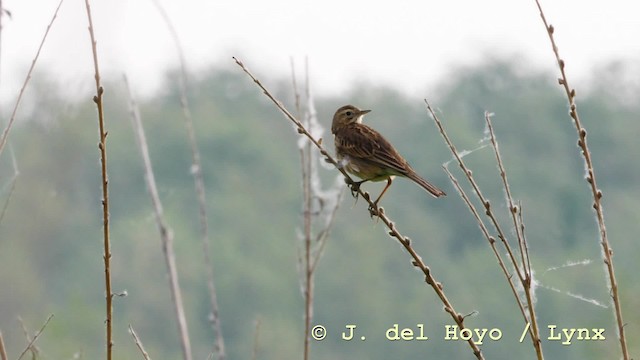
347 114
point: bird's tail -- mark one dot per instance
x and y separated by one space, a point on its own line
432 189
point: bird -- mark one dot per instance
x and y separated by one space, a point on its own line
364 152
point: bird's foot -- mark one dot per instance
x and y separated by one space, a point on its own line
354 186
374 210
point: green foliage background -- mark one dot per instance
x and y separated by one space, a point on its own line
51 246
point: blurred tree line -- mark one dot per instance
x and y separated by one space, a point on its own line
51 245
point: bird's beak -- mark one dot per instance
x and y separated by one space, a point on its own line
362 112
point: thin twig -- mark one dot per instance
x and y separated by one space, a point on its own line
256 339
377 211
102 146
323 234
1 15
308 273
524 238
518 224
296 93
490 239
35 337
307 194
5 133
311 192
166 233
513 210
198 178
485 202
139 343
607 251
12 184
34 349
3 351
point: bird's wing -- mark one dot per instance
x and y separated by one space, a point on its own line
362 142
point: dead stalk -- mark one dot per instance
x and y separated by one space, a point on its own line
102 146
5 132
166 233
607 251
198 178
523 270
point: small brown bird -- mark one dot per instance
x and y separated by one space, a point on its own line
368 155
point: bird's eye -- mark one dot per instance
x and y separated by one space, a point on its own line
349 113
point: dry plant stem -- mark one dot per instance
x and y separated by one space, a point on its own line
306 166
491 239
312 249
35 352
102 146
3 351
1 15
308 271
139 343
166 234
321 237
295 87
595 192
12 185
198 178
513 209
35 337
5 132
518 225
535 338
256 340
379 212
524 238
485 202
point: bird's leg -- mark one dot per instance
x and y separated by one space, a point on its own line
374 207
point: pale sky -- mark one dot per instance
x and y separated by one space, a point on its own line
411 45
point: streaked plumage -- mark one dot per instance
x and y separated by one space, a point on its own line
368 155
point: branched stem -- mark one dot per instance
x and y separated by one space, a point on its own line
312 244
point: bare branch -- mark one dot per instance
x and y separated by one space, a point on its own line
256 339
166 233
198 178
3 351
102 146
139 343
607 251
5 133
521 269
35 337
490 239
12 184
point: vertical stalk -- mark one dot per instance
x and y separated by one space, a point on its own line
102 145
